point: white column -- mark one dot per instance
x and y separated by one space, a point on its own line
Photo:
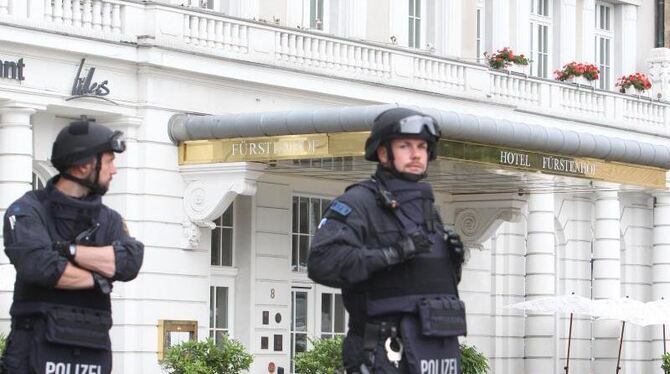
509 247
625 41
660 264
497 24
606 277
540 282
565 32
636 225
586 51
16 166
575 274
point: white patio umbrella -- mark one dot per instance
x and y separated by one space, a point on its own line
572 304
661 309
626 310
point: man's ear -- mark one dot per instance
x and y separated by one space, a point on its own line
381 154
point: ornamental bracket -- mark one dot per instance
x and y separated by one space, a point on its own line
210 189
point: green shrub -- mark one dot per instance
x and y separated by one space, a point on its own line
324 358
205 357
665 363
473 361
3 341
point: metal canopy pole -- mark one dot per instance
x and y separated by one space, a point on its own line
618 359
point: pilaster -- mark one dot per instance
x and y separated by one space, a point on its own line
497 24
540 282
565 29
16 166
625 52
585 51
606 276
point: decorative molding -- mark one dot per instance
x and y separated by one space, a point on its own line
477 219
210 189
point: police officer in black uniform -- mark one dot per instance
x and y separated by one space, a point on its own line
68 248
384 244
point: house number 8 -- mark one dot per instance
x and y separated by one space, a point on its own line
272 293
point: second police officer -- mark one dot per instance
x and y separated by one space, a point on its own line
384 244
68 248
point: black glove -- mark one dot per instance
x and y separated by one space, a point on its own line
454 247
407 248
63 248
101 283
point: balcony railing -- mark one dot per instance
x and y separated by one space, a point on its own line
206 32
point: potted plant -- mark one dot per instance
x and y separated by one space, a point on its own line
665 363
504 58
574 69
473 361
206 357
639 81
325 357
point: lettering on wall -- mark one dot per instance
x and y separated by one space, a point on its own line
85 86
547 163
12 69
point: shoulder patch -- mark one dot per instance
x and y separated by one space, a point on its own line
340 208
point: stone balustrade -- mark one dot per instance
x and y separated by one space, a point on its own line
206 32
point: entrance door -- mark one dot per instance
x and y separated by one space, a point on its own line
317 312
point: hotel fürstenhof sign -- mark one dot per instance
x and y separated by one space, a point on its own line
351 144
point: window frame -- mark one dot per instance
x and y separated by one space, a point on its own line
307 16
232 238
480 34
604 36
413 16
297 269
541 60
229 284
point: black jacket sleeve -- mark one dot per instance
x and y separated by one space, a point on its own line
128 252
29 246
338 256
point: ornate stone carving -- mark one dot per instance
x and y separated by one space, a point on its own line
659 72
210 190
476 220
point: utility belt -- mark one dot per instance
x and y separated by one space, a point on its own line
68 340
417 343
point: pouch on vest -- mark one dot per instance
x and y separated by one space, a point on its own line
442 316
72 340
428 355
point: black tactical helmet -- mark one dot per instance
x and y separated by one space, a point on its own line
400 123
77 143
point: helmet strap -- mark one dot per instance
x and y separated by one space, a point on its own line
93 186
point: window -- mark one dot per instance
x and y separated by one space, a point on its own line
540 26
298 323
414 24
332 315
539 7
603 44
218 313
316 14
480 35
307 212
222 239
